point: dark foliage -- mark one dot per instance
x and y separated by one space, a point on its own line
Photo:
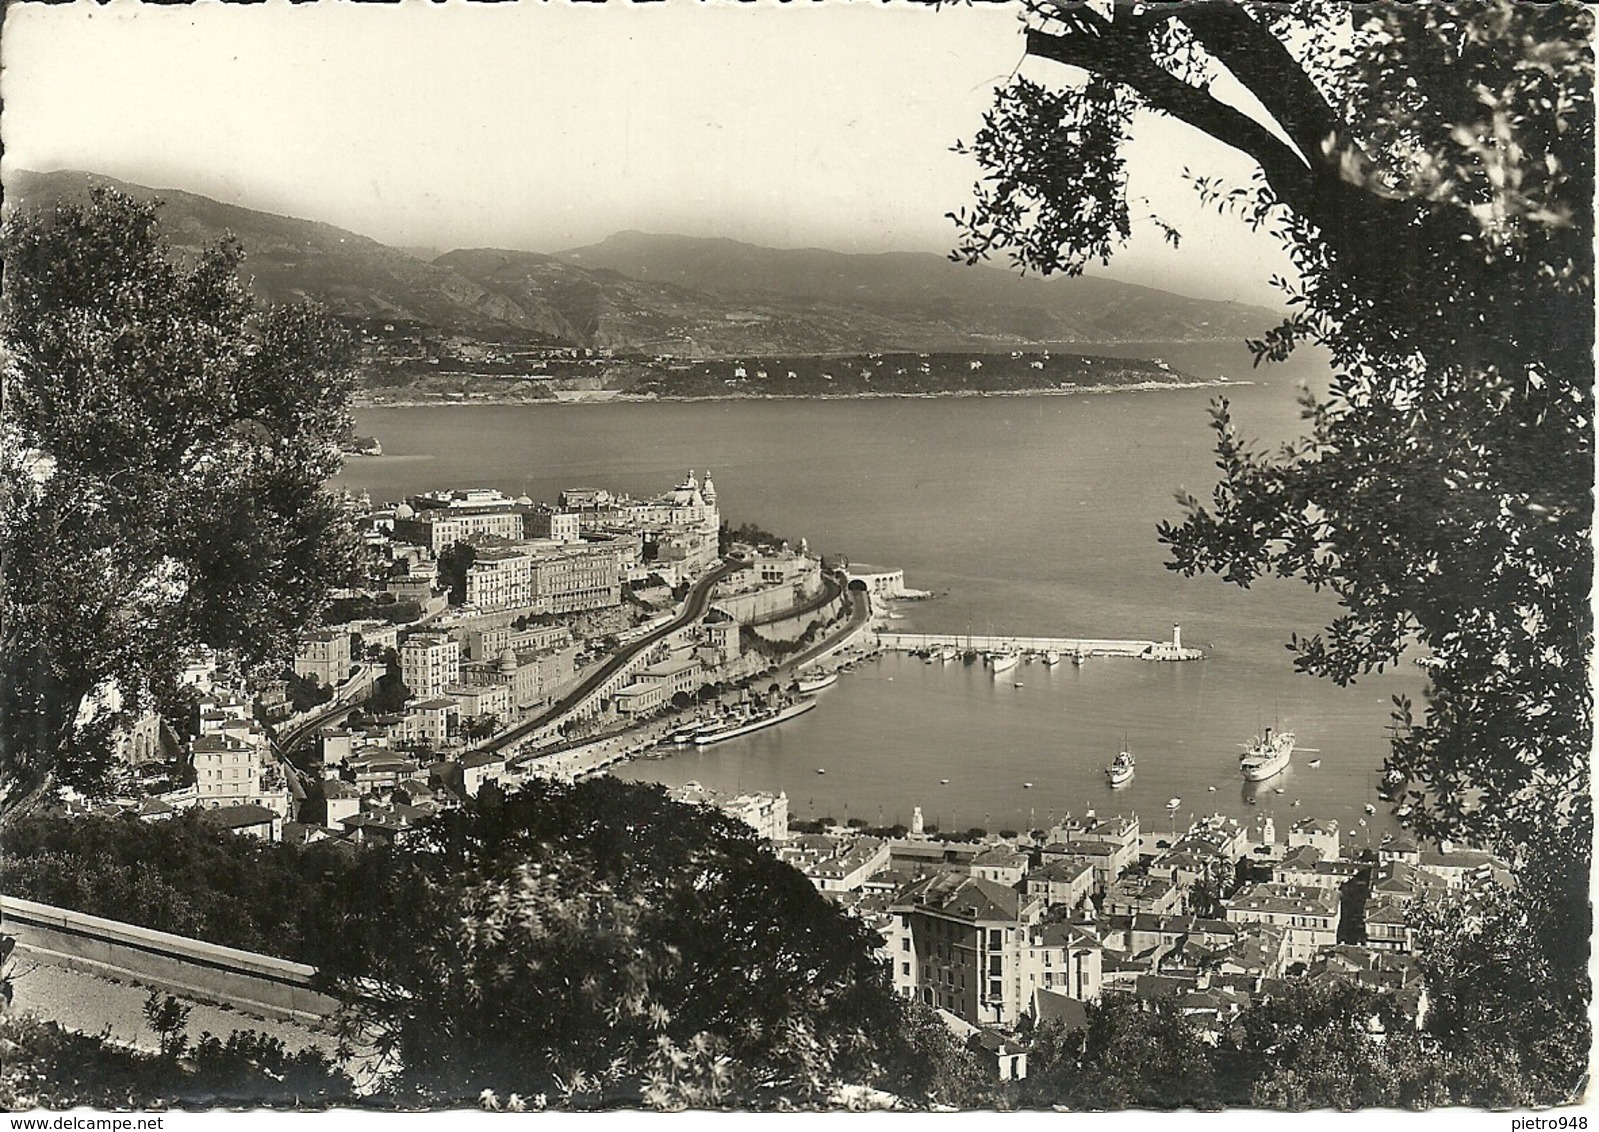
1432 179
679 962
164 452
44 1066
454 563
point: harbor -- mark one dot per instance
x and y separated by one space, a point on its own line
968 645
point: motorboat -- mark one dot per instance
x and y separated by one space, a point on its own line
817 683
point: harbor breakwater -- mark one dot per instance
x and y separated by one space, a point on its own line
1171 650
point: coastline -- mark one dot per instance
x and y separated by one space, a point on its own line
608 397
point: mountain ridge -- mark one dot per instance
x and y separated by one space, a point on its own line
650 293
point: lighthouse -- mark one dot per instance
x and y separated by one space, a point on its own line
1176 638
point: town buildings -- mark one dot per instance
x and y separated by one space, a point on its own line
546 576
429 663
439 520
1310 915
324 656
766 814
964 946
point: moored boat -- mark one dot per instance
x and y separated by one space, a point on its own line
755 722
817 683
1004 662
1120 770
1267 755
1052 657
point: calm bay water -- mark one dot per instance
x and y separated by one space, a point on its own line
1027 516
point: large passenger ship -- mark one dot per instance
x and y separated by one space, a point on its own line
1267 755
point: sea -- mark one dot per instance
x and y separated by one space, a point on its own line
1023 515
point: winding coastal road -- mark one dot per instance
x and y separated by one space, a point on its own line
694 607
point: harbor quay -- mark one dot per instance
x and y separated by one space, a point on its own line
1172 650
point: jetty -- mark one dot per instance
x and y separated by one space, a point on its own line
1172 650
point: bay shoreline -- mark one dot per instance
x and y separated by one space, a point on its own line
360 402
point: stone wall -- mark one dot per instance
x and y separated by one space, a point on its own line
177 964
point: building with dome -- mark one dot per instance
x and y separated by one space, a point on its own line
441 519
530 678
678 529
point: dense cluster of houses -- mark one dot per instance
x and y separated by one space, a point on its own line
551 594
1000 932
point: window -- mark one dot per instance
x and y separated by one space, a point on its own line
905 969
905 944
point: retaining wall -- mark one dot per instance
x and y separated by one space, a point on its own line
263 984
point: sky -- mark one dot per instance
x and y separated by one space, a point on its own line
548 126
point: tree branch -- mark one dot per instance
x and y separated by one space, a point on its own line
1351 219
1110 51
1258 60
